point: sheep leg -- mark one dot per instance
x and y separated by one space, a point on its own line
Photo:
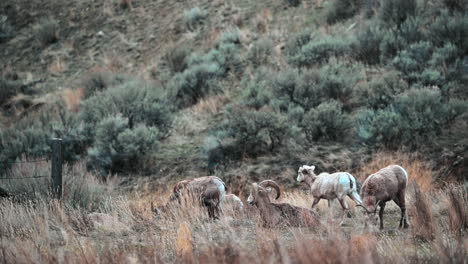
400 201
381 211
316 200
345 206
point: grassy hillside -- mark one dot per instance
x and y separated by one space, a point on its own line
148 92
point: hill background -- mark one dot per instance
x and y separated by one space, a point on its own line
241 89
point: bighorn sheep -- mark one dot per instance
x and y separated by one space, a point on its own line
234 201
330 186
210 190
274 214
387 184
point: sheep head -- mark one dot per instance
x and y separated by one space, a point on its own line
370 209
260 193
305 171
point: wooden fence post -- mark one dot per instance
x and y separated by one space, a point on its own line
57 168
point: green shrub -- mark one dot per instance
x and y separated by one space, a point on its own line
309 88
293 2
340 10
255 132
199 79
413 60
450 29
296 42
326 121
380 92
6 29
367 47
260 52
395 12
337 81
176 58
256 92
319 50
138 101
231 36
8 89
120 148
449 61
47 31
95 82
189 87
381 127
193 17
456 5
415 117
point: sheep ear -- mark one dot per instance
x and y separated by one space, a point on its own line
312 167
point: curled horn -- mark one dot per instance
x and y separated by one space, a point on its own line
272 184
363 208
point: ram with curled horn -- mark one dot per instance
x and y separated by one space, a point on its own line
279 214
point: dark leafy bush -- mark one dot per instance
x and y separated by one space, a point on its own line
189 87
253 132
413 60
449 61
380 92
6 29
309 88
293 2
367 47
8 89
341 10
47 31
450 29
319 50
395 12
411 31
296 42
257 91
260 52
416 116
456 5
176 58
137 101
99 81
193 17
326 121
119 147
198 79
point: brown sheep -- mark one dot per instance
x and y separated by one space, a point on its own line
210 190
387 184
274 214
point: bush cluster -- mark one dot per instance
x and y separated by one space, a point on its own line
341 10
119 147
199 78
318 50
193 17
6 29
47 31
414 117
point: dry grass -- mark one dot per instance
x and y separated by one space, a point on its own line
72 98
211 105
47 231
418 170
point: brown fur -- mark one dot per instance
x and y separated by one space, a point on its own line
203 188
385 185
280 214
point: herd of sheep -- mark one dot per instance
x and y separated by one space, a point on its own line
387 184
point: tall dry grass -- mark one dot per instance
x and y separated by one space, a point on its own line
48 231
